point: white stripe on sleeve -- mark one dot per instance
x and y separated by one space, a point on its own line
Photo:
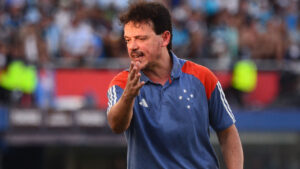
225 103
112 97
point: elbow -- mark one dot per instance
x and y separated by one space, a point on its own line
116 127
117 130
117 123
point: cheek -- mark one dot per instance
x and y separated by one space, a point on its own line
154 46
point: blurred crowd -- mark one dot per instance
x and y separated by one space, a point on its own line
48 31
83 32
231 30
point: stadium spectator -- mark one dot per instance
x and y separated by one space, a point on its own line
31 42
77 38
50 34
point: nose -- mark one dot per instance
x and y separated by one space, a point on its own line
132 45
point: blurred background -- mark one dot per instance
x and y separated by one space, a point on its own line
57 58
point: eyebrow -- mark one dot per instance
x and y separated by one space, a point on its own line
137 36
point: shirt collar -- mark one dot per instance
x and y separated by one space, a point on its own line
176 69
175 72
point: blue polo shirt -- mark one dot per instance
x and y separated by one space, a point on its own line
170 124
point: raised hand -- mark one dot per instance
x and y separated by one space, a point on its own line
134 84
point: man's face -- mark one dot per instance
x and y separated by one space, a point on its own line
143 44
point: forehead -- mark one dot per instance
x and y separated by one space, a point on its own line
138 28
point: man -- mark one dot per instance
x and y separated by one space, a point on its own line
166 105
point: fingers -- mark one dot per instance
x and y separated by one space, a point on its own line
134 69
131 66
136 78
137 64
136 81
134 84
134 65
141 85
131 70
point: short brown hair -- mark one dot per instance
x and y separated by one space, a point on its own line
155 12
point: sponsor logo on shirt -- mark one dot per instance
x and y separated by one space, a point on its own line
143 103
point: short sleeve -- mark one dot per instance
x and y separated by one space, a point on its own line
113 94
220 113
116 88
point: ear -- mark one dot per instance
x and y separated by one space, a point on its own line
166 37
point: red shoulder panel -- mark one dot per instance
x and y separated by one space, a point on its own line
207 78
120 80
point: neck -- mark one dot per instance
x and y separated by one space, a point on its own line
161 71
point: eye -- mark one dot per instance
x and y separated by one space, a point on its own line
127 40
143 38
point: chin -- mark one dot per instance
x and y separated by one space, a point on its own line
143 65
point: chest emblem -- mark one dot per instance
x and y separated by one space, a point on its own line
186 96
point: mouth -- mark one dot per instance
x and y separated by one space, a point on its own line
136 54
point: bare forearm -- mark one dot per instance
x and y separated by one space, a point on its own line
120 115
231 148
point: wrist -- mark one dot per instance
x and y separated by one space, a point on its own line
127 98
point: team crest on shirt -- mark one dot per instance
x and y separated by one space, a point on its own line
187 96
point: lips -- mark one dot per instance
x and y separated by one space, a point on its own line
136 54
